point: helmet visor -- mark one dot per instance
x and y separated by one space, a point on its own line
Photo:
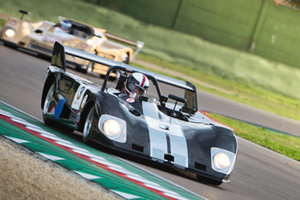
134 88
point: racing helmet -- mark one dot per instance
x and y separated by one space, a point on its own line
136 85
65 25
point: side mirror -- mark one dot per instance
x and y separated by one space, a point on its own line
177 98
23 12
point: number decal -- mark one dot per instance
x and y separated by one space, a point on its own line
77 100
84 101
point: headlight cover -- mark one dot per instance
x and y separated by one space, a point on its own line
112 127
222 160
90 42
10 32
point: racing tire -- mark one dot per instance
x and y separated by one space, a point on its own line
102 76
50 122
90 66
126 61
47 104
88 125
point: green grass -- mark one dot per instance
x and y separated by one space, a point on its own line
2 22
244 93
281 143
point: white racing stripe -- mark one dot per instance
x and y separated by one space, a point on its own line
160 131
158 139
178 145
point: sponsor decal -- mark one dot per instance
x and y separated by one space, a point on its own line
59 108
117 168
130 100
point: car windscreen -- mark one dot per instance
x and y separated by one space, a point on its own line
162 93
81 30
190 106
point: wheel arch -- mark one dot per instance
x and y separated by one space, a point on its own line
50 79
128 58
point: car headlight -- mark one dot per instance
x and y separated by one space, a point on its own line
222 160
113 128
89 42
9 32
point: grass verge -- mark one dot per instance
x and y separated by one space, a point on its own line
2 22
278 142
255 96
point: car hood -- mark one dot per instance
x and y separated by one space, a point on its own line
145 117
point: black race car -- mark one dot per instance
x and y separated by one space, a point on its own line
164 126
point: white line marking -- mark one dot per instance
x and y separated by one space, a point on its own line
17 140
51 157
87 176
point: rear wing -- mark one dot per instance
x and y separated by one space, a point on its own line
138 44
58 60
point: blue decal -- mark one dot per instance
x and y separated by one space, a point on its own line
59 108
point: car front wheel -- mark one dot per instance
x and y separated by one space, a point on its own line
47 104
88 125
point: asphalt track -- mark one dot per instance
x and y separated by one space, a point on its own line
259 173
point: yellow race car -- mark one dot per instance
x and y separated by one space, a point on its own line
41 36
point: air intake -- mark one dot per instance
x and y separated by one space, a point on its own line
169 157
137 147
200 166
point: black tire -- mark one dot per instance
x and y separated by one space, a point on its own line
50 122
88 125
80 68
126 61
102 76
90 66
47 104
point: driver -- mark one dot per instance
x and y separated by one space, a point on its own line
135 86
65 27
